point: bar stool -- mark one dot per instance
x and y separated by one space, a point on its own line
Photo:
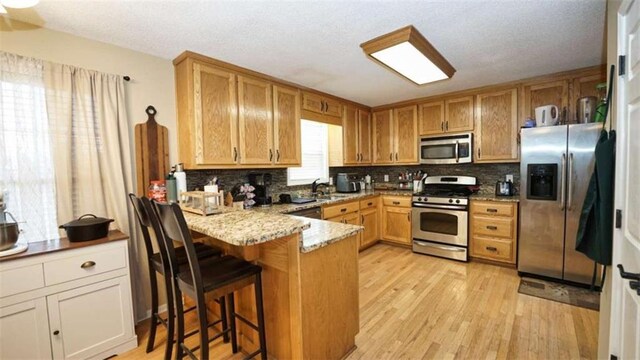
222 277
158 262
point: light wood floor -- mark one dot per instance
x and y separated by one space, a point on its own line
415 306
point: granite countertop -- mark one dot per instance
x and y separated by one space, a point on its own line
322 233
488 193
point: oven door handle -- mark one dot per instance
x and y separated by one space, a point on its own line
441 207
442 247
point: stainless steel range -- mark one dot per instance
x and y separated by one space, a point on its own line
440 216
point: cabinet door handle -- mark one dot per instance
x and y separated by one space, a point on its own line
409 217
361 219
446 126
478 152
491 248
270 155
442 126
235 154
491 227
88 264
57 332
396 156
396 203
391 157
492 210
277 155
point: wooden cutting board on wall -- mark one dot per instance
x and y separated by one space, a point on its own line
152 151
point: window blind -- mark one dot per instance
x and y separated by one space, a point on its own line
315 154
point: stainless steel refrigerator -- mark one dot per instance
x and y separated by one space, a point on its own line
555 169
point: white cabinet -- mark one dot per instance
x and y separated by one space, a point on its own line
83 308
24 331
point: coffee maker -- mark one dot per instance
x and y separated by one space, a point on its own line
261 181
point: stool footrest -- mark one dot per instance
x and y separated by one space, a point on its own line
244 320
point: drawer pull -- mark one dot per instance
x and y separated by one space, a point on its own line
491 227
396 203
88 264
491 248
343 210
369 204
57 332
492 210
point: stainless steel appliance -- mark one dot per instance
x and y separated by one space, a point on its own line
556 165
451 149
504 188
313 213
347 183
440 217
261 182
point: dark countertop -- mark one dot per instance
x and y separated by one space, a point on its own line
62 244
489 194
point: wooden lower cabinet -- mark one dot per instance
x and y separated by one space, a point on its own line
369 219
396 220
494 231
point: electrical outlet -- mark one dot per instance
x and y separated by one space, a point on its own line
509 177
386 178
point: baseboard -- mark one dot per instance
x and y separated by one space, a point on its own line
162 308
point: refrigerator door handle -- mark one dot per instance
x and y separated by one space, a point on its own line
563 180
570 184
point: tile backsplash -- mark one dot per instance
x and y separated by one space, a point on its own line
487 175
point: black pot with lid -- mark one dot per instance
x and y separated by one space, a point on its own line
87 227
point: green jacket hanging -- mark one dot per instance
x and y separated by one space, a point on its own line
595 231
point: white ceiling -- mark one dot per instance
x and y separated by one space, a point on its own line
316 43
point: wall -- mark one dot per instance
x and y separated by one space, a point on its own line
152 84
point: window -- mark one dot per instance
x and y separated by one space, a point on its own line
26 166
315 154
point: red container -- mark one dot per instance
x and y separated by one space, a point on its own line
157 191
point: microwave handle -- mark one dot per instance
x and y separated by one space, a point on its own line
457 151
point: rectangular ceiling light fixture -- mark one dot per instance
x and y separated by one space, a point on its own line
408 53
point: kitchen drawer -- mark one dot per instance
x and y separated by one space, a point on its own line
369 203
495 249
401 201
59 271
15 281
340 209
492 208
493 226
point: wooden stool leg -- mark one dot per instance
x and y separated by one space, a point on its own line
201 308
261 332
180 321
232 318
154 309
171 318
223 317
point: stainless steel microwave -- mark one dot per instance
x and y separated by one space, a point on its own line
450 149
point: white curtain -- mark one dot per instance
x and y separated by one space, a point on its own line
90 143
26 164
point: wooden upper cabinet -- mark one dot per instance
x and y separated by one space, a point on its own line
350 152
431 116
321 105
364 136
312 102
382 132
405 132
215 115
286 125
332 108
546 93
496 128
255 121
459 114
